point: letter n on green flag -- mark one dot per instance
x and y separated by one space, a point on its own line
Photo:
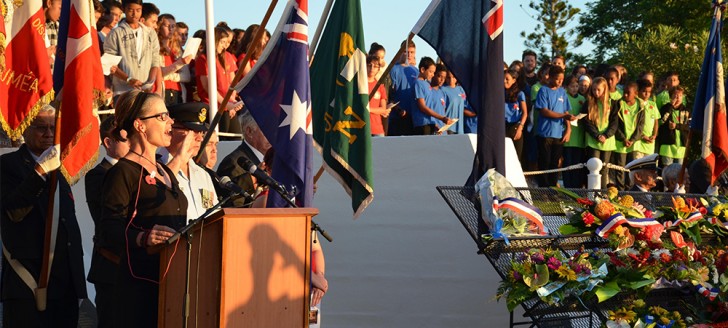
339 92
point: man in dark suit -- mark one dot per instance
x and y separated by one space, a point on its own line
24 185
104 263
253 148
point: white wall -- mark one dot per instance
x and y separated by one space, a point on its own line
407 261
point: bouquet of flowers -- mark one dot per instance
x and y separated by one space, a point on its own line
638 314
551 276
503 210
619 219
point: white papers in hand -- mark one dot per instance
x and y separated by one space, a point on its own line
576 121
192 46
107 61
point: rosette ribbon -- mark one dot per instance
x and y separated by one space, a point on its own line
618 219
694 216
526 210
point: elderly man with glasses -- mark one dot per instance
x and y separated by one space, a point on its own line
24 188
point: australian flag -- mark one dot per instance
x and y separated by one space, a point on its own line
467 35
277 93
709 111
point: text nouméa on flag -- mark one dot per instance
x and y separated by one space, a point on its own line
26 81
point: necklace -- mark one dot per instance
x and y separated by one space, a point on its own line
155 164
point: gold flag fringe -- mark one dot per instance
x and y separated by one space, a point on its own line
18 133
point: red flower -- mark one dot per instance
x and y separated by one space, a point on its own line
588 218
585 201
648 214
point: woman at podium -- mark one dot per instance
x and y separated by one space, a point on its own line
143 206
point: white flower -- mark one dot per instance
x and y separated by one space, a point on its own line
656 254
673 45
687 46
695 48
617 324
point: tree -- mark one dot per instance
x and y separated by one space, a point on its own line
605 21
552 37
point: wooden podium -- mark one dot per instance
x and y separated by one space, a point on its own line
248 268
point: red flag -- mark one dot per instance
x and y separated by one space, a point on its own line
26 83
83 84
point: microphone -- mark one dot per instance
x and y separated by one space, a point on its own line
226 183
262 177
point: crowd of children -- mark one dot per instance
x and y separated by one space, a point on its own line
592 113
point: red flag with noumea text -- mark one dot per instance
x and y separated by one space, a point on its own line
26 82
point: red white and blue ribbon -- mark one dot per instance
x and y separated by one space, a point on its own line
520 207
618 219
717 221
710 293
694 216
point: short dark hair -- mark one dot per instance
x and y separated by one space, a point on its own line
108 4
631 85
182 25
99 8
555 70
106 128
528 52
441 68
673 90
149 9
126 3
375 47
643 84
426 62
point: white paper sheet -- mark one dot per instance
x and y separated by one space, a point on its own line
192 46
107 61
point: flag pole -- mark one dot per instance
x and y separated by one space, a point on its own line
42 291
683 167
319 29
374 90
210 52
402 49
238 76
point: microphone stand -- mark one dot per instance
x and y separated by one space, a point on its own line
186 231
291 203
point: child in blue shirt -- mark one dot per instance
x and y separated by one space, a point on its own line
403 75
516 110
430 100
456 101
553 128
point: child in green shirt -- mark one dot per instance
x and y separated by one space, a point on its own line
575 148
630 122
613 77
646 145
600 123
673 128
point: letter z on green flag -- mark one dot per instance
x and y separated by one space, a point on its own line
339 92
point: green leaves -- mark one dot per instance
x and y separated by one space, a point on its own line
607 290
552 36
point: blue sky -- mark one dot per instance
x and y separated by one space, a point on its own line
385 21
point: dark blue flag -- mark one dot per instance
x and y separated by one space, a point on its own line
467 35
277 93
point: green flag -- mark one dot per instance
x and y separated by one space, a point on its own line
339 92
